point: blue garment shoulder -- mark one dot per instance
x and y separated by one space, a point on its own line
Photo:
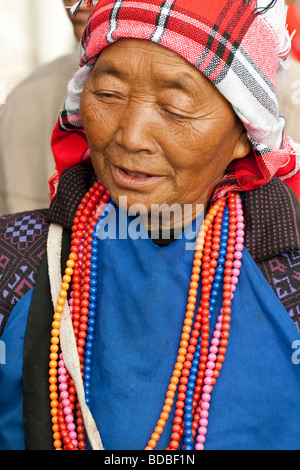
11 374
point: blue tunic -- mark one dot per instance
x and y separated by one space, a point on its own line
144 288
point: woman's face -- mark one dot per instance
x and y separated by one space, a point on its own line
159 131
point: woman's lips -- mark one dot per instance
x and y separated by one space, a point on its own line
132 179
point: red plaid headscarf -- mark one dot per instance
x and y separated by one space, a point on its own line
239 47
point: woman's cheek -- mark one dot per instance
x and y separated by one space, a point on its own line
94 116
91 115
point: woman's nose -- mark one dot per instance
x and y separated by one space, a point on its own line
136 128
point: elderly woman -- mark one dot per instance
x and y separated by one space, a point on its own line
123 337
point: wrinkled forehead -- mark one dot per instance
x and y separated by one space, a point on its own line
130 60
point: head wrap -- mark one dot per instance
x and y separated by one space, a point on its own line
239 45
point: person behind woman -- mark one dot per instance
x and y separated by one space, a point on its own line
118 338
26 124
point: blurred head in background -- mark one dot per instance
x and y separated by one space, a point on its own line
78 21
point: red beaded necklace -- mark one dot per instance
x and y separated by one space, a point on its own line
67 421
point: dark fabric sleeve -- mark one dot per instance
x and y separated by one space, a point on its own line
22 246
283 274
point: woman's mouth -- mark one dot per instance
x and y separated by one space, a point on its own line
133 179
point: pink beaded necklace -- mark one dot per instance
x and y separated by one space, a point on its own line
199 359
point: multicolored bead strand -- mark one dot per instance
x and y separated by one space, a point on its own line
210 361
221 334
78 271
191 380
186 331
94 255
190 420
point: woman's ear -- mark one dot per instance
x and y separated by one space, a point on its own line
243 145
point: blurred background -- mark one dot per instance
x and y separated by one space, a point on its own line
32 33
39 47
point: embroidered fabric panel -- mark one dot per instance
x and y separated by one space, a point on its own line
23 237
283 275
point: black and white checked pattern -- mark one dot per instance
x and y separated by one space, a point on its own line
113 20
162 20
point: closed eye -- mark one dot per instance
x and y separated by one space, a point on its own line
107 96
175 115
